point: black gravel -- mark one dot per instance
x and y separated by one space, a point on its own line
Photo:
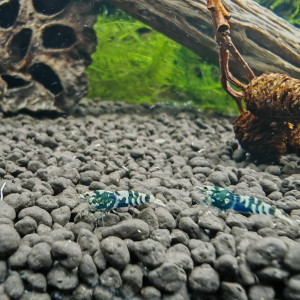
52 248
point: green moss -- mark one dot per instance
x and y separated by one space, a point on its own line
135 63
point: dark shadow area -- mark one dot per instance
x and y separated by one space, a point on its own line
14 81
43 74
49 7
20 44
8 13
58 37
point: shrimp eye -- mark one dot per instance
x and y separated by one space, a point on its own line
226 200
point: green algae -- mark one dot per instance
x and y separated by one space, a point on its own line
135 63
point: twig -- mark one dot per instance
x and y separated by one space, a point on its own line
1 191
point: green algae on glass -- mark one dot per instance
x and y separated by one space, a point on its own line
135 63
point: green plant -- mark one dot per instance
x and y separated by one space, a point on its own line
135 63
288 9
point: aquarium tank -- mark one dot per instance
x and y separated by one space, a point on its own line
149 149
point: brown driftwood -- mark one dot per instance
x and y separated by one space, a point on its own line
267 42
269 121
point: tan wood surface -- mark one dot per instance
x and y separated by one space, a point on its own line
266 41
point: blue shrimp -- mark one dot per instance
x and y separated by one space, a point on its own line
224 199
105 201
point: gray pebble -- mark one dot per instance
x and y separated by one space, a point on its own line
61 215
111 278
34 165
43 187
88 242
7 211
261 221
87 271
6 222
266 251
132 277
275 196
179 248
168 277
274 170
40 215
292 258
203 253
34 281
187 225
115 252
148 215
3 271
182 260
199 162
233 291
208 220
39 258
82 292
238 220
204 279
99 260
78 227
227 267
43 230
175 207
179 236
259 291
128 229
165 219
162 236
62 234
26 225
151 253
103 293
245 273
219 178
20 201
14 286
19 259
3 295
292 289
47 202
89 176
67 253
151 293
60 184
239 155
268 186
9 240
68 197
62 278
31 239
272 274
224 244
35 296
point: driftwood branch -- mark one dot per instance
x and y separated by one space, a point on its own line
266 41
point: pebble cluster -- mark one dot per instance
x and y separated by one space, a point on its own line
52 248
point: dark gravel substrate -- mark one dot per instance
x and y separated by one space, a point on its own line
51 248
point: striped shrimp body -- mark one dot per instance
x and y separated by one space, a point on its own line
224 199
105 201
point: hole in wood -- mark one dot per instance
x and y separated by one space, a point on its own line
58 37
9 11
50 7
14 81
20 44
47 77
